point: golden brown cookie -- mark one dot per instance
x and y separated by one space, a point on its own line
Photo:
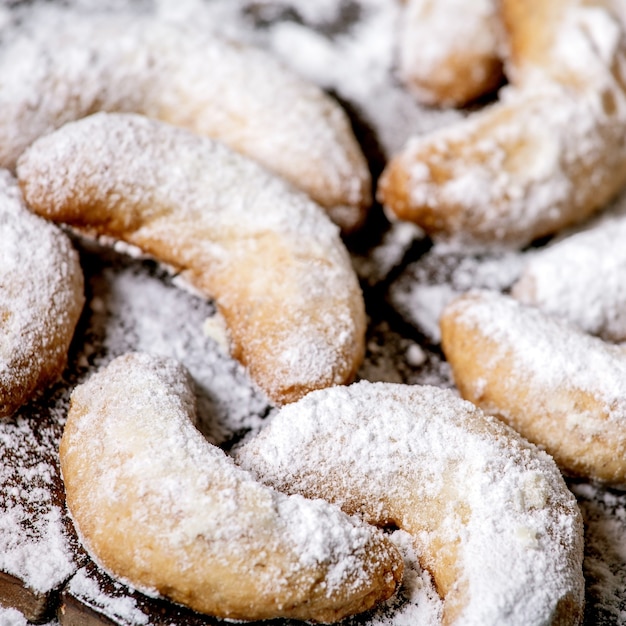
41 298
161 508
448 53
271 258
548 154
490 514
556 385
242 96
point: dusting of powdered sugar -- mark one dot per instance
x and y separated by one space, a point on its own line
125 607
35 541
41 296
12 617
177 73
417 600
604 513
582 278
376 265
427 285
352 54
358 64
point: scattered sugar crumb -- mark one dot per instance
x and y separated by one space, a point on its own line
415 355
215 328
123 608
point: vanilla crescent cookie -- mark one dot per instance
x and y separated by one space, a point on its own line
490 514
161 508
581 278
41 298
555 384
271 258
548 154
62 70
448 51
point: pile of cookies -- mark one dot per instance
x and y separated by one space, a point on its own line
162 467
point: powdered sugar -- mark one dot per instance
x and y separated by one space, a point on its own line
354 58
358 64
417 600
605 524
124 608
135 306
35 542
11 617
425 286
549 351
582 278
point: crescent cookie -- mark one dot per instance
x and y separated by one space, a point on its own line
547 155
581 278
556 385
490 514
41 298
239 95
158 506
275 264
448 51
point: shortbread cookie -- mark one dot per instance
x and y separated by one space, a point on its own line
555 384
490 514
41 298
547 155
448 53
158 506
67 69
270 257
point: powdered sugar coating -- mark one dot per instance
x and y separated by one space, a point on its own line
41 297
271 258
415 602
12 617
604 514
581 278
132 310
64 69
124 608
490 514
159 506
35 544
